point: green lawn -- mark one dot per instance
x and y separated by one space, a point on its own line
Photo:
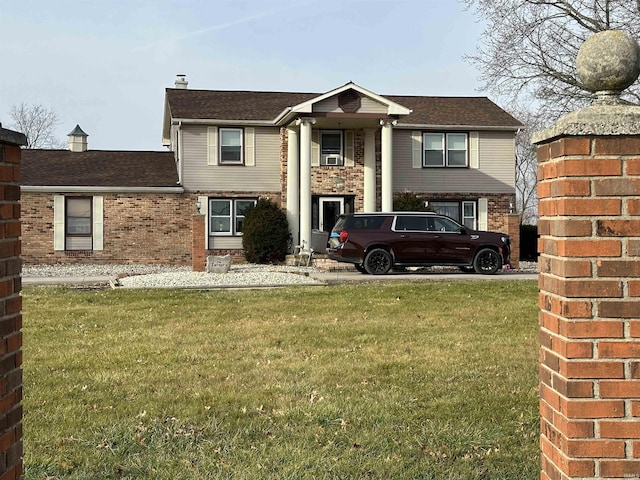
386 381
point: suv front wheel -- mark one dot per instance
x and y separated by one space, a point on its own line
378 261
487 261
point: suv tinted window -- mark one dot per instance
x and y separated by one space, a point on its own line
411 222
443 224
373 222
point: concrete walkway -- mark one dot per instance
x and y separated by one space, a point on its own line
357 277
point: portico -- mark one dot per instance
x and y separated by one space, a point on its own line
335 134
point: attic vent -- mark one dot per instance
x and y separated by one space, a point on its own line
349 101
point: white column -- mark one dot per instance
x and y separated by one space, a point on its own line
293 182
370 170
387 164
305 179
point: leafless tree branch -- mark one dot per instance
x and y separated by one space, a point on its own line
38 123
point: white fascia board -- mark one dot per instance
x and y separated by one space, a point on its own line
409 126
282 115
166 124
80 189
392 107
213 121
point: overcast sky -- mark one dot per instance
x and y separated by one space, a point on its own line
105 64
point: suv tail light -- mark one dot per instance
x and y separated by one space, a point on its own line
343 236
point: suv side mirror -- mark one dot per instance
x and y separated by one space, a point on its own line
463 230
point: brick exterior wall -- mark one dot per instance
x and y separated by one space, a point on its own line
157 228
138 228
10 315
323 182
589 207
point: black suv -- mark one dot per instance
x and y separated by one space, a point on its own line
377 242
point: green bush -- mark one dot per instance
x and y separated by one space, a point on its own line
265 234
409 202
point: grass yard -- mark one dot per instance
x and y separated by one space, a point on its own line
386 381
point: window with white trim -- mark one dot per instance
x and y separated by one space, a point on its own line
78 223
331 148
464 212
445 149
469 215
226 216
230 146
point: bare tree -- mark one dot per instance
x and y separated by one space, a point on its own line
37 123
528 48
527 164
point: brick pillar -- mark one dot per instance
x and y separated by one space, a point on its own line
198 251
589 210
512 224
10 307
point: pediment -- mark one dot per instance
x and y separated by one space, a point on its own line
348 99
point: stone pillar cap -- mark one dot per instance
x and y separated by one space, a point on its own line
595 120
607 63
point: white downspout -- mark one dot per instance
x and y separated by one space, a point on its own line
180 153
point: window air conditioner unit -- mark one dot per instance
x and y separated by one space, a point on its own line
332 160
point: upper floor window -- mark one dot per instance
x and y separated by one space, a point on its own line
445 150
331 147
230 146
226 216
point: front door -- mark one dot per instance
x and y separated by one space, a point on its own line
330 209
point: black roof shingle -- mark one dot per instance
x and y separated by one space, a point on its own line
266 106
98 168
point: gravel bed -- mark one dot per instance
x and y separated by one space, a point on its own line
94 270
168 276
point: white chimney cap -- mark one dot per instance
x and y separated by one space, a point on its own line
181 81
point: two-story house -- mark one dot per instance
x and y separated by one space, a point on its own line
316 154
346 150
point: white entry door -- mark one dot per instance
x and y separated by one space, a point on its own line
330 209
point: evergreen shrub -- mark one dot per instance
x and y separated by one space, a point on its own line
409 202
265 233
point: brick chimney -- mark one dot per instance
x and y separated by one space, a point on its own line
77 140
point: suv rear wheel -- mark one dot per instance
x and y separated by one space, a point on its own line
378 261
360 268
487 261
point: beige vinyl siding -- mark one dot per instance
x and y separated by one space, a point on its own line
263 176
496 172
367 105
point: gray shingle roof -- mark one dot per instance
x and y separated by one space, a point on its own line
231 105
473 111
266 106
98 168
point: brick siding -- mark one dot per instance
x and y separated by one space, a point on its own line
138 228
10 316
589 300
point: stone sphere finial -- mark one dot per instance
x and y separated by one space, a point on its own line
608 62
